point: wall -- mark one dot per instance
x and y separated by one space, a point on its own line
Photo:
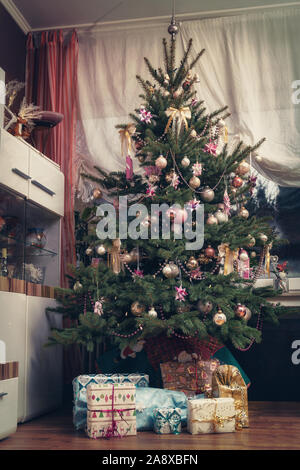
12 47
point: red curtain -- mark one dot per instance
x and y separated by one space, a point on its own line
51 83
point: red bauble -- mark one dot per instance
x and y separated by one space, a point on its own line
209 252
240 310
237 182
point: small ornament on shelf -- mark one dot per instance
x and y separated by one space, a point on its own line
281 271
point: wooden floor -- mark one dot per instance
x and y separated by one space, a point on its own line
273 426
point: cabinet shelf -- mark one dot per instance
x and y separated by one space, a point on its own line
7 241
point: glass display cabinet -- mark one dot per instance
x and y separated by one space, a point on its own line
29 245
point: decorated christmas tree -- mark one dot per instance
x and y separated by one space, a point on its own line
164 284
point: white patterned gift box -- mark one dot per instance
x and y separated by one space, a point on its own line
167 420
111 410
81 382
211 415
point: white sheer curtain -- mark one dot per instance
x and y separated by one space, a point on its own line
250 64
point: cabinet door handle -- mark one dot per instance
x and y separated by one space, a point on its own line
42 187
20 173
3 394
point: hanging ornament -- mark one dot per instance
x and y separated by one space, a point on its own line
244 213
127 258
209 252
253 254
243 168
211 220
240 310
77 286
237 182
145 116
181 293
167 271
221 216
197 169
192 263
193 133
207 194
89 251
175 181
204 307
152 312
185 162
174 269
263 237
114 261
98 308
137 308
219 318
161 162
97 193
194 182
247 315
210 148
251 241
101 250
226 202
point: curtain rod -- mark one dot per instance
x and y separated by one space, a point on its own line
160 20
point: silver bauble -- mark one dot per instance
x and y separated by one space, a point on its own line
101 250
185 162
204 307
221 216
207 194
152 312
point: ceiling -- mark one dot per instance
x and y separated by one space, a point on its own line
34 15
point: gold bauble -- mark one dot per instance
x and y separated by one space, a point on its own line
167 271
194 182
247 315
207 194
243 168
193 133
253 254
77 286
219 318
174 269
263 237
127 258
243 213
192 263
152 312
211 220
221 216
100 250
89 251
137 308
185 162
161 162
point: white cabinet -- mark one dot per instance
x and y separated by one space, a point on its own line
14 163
25 328
8 407
30 173
46 183
44 368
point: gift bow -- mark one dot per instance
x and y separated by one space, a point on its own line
181 115
126 147
217 421
173 419
229 255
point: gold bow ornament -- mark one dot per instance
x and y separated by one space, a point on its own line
114 259
126 134
178 116
229 256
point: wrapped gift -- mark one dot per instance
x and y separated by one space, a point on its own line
167 420
190 377
148 399
81 382
211 415
228 382
111 410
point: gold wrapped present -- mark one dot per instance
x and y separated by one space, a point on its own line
211 415
228 382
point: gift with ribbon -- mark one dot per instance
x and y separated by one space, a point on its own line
177 117
227 381
111 411
192 378
81 382
211 415
167 420
127 147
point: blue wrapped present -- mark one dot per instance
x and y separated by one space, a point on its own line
148 399
81 382
167 420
